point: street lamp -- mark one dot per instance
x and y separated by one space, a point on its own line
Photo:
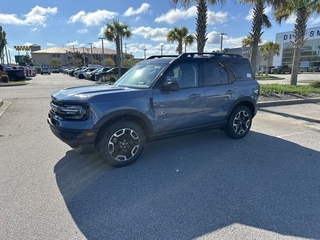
221 40
144 50
84 56
102 49
91 53
161 49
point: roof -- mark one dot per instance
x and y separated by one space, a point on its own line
62 50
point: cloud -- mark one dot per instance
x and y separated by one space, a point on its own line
70 44
37 16
177 14
34 29
154 34
142 9
50 44
82 30
314 20
92 18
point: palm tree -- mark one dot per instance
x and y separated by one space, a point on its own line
188 40
247 41
3 42
177 35
268 50
201 19
302 9
115 32
259 21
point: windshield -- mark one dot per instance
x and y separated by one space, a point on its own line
140 76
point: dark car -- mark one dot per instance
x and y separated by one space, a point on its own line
264 68
103 72
281 69
14 74
162 96
113 71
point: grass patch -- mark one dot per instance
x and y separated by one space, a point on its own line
302 90
13 83
261 77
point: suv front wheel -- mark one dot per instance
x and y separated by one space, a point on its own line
239 122
121 144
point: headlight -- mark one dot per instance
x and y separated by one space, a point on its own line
76 112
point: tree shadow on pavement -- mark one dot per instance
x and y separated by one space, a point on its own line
190 186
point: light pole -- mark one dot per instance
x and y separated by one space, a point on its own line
221 40
144 50
161 49
102 50
91 53
84 56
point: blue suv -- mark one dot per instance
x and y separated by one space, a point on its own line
159 97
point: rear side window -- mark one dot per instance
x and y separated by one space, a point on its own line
242 70
214 74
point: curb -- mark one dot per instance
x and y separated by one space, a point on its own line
288 102
1 102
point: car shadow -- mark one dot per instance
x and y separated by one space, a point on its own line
190 186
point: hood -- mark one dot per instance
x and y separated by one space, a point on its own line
96 93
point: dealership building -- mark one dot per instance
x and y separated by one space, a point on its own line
310 54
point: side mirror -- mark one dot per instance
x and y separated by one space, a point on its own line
170 86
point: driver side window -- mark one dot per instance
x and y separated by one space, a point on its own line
185 74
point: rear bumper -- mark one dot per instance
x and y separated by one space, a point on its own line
80 140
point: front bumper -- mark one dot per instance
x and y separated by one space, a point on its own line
81 140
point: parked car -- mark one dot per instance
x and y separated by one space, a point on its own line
281 69
14 74
55 70
80 73
113 71
99 72
45 70
263 69
162 96
90 75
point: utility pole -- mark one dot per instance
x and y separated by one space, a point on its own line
144 50
221 40
102 38
84 56
161 47
91 53
9 56
5 47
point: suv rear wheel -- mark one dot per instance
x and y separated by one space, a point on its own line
239 122
121 144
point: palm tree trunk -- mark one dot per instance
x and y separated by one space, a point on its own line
256 33
201 28
118 49
299 33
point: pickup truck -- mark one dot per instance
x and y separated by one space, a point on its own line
14 74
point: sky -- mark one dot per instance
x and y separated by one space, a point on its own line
77 23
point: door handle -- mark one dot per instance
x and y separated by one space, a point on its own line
194 96
230 91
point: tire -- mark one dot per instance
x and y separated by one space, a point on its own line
81 76
239 122
121 144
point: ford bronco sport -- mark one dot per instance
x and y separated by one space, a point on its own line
159 97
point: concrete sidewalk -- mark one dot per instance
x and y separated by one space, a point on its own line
1 102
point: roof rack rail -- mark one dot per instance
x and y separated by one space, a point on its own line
161 56
208 54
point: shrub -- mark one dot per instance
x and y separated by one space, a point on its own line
5 78
315 84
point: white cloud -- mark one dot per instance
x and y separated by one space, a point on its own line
28 44
217 17
82 30
142 9
34 29
70 44
50 44
176 14
92 18
154 34
291 19
37 16
314 20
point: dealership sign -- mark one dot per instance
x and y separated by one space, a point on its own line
310 33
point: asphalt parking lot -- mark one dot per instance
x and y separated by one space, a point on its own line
199 186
